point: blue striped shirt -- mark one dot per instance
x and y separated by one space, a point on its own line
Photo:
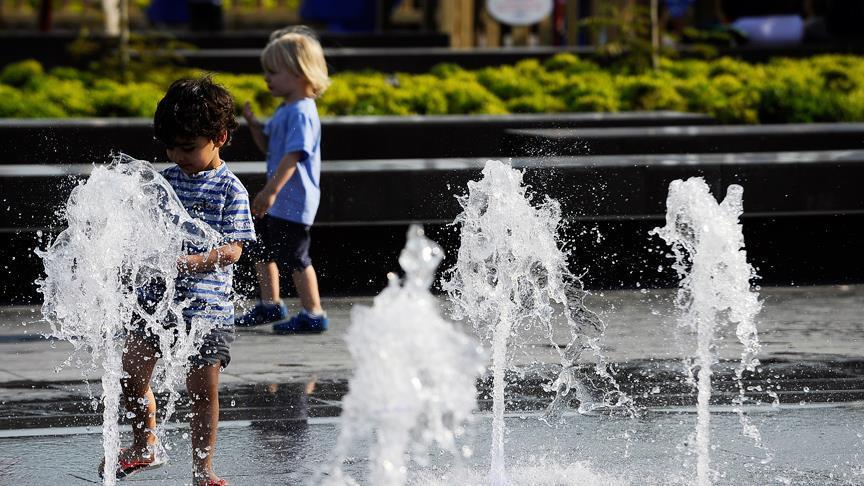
219 199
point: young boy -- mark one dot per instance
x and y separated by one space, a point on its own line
194 121
295 71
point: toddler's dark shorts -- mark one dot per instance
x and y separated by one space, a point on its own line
215 348
283 242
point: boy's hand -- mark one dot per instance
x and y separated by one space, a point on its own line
248 114
263 201
183 263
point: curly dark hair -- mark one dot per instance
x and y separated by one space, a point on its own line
194 108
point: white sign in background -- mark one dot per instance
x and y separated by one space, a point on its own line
519 12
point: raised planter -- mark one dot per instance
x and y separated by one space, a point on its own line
802 214
691 139
93 140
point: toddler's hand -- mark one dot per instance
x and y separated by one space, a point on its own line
183 264
262 202
247 113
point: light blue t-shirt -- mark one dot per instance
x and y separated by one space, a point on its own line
295 127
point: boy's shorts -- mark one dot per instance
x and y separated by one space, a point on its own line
215 349
283 242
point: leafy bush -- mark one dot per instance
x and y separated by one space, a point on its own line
339 99
569 63
16 104
822 88
794 92
648 92
591 91
471 98
21 73
70 95
112 99
536 103
506 82
422 94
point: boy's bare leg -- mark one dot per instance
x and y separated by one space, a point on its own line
139 359
203 386
268 281
306 283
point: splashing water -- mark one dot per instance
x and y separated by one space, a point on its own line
414 379
125 230
708 247
511 275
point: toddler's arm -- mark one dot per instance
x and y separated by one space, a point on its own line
255 128
264 199
222 256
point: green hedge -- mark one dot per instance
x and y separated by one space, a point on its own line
819 89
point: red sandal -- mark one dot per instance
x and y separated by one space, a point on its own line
126 467
214 482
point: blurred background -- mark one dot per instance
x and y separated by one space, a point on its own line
456 23
603 102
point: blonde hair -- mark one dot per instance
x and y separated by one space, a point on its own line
297 50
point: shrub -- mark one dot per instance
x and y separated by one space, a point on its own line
647 92
470 98
569 64
446 70
822 88
112 99
536 103
248 88
15 104
71 74
793 92
339 99
685 69
594 91
68 95
376 95
21 73
507 82
423 94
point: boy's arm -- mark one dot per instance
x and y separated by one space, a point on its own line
265 199
222 256
255 128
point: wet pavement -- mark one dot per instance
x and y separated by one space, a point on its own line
811 339
281 394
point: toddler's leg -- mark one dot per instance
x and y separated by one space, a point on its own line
203 386
139 359
268 282
306 283
138 363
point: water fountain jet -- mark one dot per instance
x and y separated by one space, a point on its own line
125 230
511 275
708 247
414 380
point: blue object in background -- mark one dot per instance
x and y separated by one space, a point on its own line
772 30
678 8
342 15
168 12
